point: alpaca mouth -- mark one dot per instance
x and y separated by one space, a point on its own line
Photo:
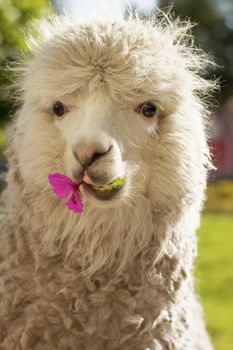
101 192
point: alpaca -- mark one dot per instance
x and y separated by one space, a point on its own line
103 99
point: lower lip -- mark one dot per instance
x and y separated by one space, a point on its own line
101 195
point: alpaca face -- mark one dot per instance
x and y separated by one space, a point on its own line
105 140
115 100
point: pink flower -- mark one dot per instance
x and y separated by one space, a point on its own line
62 186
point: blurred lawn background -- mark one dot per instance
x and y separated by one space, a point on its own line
214 276
214 273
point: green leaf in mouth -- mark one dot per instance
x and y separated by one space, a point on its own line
119 181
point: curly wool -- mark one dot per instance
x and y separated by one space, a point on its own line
118 277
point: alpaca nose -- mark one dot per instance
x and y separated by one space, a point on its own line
86 154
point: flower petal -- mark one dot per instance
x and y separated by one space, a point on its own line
61 185
75 203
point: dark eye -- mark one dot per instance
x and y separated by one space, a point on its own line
59 109
148 109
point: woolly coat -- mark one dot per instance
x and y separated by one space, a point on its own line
118 277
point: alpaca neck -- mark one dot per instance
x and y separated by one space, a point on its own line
114 239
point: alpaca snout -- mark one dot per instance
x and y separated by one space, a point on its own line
97 155
99 164
87 155
88 149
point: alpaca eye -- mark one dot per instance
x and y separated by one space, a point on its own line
148 109
59 109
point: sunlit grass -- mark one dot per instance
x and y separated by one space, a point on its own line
220 196
2 139
215 277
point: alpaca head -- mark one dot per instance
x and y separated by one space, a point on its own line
109 100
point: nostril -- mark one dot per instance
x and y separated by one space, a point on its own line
96 156
87 157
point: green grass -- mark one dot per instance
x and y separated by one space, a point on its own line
215 277
2 138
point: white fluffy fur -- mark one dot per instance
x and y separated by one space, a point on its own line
118 276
